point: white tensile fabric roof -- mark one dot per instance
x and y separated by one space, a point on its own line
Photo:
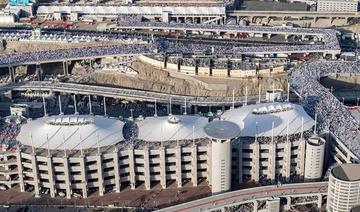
65 132
258 119
145 10
160 129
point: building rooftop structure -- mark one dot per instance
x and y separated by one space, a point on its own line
257 120
273 6
222 130
170 128
347 172
131 10
71 132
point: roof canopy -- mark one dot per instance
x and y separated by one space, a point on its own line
168 128
258 119
71 132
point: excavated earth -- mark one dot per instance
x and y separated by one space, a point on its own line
154 79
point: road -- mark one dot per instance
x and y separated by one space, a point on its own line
249 195
131 94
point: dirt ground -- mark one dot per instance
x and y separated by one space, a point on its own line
154 79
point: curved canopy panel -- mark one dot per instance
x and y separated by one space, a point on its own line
71 132
168 128
258 119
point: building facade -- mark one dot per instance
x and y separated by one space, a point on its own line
179 150
344 188
337 6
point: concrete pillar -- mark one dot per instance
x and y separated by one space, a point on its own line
117 170
272 164
319 201
51 176
288 204
221 165
147 168
195 109
66 68
300 168
38 72
256 205
165 61
178 167
36 175
12 74
100 174
132 168
194 178
255 162
67 176
240 165
287 160
209 174
83 176
6 167
162 167
20 170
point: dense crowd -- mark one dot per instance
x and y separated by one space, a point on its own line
11 34
63 54
332 115
185 47
8 133
243 207
328 37
163 44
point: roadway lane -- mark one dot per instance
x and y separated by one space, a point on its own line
249 195
125 93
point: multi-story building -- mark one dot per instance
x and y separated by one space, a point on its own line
337 6
81 154
344 188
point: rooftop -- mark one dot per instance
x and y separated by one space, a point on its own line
71 132
347 172
273 6
258 119
168 128
223 130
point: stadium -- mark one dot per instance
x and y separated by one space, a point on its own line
77 155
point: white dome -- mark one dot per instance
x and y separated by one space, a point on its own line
258 119
67 132
168 128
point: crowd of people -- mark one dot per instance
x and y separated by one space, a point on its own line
328 37
163 44
332 115
50 34
64 54
8 133
247 207
185 47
